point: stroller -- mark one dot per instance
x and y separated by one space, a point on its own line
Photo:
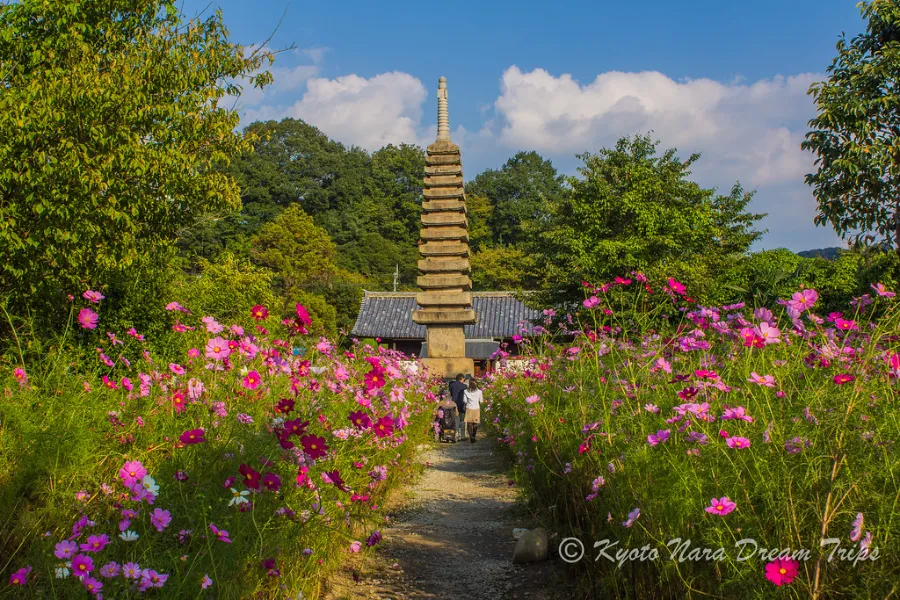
445 426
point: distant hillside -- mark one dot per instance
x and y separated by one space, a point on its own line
827 253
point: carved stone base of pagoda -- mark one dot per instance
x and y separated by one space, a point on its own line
448 368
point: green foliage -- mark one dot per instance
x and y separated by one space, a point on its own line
228 288
519 193
295 248
112 137
856 133
504 268
631 210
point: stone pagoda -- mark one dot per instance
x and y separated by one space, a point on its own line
445 299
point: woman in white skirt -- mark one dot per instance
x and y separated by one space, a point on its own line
473 399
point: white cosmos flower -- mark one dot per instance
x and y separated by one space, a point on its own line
62 572
129 536
318 370
239 497
150 485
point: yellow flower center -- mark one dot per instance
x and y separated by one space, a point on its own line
216 349
720 507
782 570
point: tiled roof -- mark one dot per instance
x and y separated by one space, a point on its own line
389 315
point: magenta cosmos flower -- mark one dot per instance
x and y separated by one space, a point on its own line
95 543
82 565
843 378
192 436
384 427
20 577
217 349
65 550
259 312
92 296
88 318
782 571
314 446
738 442
252 380
360 419
720 506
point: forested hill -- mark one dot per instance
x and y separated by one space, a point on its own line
830 253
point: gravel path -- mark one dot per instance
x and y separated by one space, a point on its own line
452 537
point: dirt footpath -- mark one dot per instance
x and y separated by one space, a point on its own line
451 537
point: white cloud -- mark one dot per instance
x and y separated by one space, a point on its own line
373 112
746 131
315 54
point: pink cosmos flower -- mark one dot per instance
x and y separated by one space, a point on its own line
95 543
803 300
160 519
131 472
92 296
92 585
131 571
738 413
632 516
110 570
857 530
659 437
592 302
677 287
217 349
882 291
65 550
221 534
252 380
782 571
355 546
20 577
176 369
765 380
720 506
738 442
206 582
87 318
845 324
533 399
176 306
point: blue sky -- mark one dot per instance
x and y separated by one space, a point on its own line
725 79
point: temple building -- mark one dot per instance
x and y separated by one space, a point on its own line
387 317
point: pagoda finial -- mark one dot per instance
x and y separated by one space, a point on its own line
443 130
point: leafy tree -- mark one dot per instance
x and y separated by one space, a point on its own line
479 212
504 268
296 249
520 193
112 137
633 210
396 187
856 133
